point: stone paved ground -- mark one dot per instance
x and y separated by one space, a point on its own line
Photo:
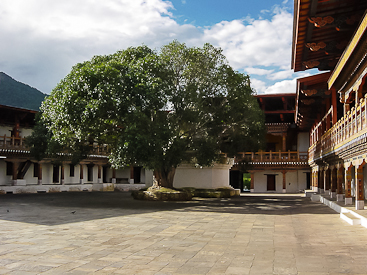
110 233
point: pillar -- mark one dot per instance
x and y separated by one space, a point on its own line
113 175
62 174
284 182
327 181
339 183
348 186
359 188
321 181
40 173
316 181
131 180
333 182
252 186
81 173
284 146
15 172
334 106
99 174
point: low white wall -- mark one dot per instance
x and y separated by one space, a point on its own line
295 181
207 177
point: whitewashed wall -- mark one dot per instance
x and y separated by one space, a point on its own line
295 181
206 177
303 141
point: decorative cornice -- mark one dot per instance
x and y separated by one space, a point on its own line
309 92
321 21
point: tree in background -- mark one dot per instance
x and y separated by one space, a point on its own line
157 109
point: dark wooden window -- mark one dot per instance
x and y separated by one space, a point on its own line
72 170
9 168
90 172
55 175
36 170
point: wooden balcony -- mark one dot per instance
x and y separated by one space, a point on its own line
273 159
349 130
12 143
16 145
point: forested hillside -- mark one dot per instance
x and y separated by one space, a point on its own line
17 94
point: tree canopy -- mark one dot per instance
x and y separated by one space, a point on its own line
157 109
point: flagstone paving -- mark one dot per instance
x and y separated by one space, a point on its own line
110 233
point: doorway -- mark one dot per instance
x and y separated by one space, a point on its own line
270 182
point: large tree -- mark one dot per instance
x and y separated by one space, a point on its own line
157 109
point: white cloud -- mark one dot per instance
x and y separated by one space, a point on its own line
257 71
258 85
261 43
280 75
42 40
282 87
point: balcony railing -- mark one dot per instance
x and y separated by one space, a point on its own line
273 157
350 127
13 143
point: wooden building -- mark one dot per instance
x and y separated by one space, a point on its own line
331 35
20 173
282 167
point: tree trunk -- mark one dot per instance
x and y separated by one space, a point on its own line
165 177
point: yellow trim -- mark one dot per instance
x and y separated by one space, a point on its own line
348 52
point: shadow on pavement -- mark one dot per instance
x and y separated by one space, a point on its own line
63 208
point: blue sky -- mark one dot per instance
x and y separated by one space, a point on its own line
41 40
209 12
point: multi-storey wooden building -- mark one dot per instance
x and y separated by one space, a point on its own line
282 167
331 106
20 173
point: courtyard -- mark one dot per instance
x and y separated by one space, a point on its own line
110 233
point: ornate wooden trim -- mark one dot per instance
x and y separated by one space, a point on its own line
316 46
321 21
309 92
311 64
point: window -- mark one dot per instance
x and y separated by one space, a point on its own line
55 176
9 168
90 172
35 170
72 170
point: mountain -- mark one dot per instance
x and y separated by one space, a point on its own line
17 94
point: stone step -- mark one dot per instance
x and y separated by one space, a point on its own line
350 218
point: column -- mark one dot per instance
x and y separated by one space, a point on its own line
62 174
252 186
321 181
81 173
359 188
284 182
334 105
316 181
339 179
40 173
15 172
348 186
99 174
131 180
333 182
113 175
327 181
284 146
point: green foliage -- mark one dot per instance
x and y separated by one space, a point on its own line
247 181
157 109
17 94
